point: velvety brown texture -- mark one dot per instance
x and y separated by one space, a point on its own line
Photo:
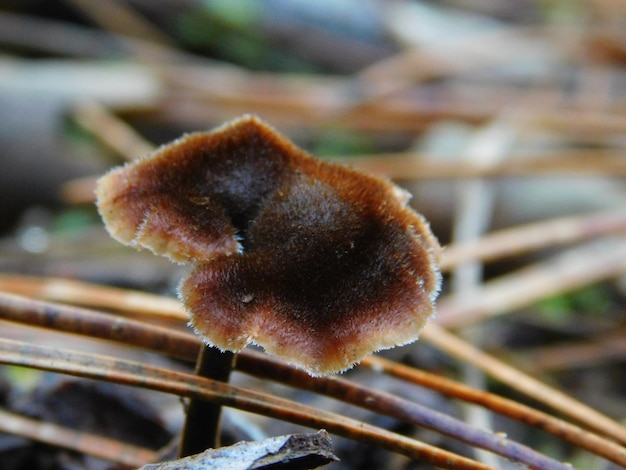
317 263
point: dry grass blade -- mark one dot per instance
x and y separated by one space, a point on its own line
99 325
145 376
535 236
63 38
78 441
451 57
575 354
522 382
565 272
401 409
114 133
244 92
411 166
473 206
292 110
566 431
119 18
185 346
93 295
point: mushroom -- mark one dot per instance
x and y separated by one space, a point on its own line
317 263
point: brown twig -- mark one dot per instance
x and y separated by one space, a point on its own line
567 271
185 346
114 133
148 336
78 441
448 58
61 38
206 421
504 406
95 324
141 375
535 236
69 291
417 166
607 346
522 382
119 18
401 409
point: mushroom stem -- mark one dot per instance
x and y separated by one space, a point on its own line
202 427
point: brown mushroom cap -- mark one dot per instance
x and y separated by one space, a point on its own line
315 262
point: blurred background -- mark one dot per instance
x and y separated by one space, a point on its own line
494 114
417 80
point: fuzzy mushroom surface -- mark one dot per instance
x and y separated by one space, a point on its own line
317 263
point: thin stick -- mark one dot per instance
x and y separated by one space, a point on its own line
447 58
114 133
61 38
403 410
119 18
535 236
77 441
95 324
206 421
416 166
567 431
70 291
567 271
607 346
186 346
154 378
474 200
456 347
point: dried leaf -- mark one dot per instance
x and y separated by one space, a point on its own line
300 451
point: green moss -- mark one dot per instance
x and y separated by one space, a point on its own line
22 378
340 142
76 220
589 300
